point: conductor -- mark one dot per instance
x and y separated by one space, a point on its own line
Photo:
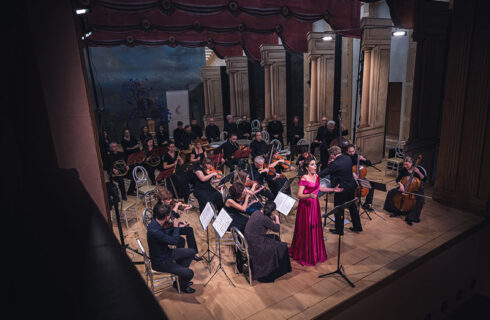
340 170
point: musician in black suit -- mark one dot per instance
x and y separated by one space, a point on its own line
212 131
230 126
186 138
351 152
162 232
329 135
340 170
257 145
257 173
275 129
228 148
179 134
114 174
295 131
244 129
320 136
196 130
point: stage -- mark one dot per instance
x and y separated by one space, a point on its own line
385 247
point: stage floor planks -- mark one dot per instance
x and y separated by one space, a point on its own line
385 246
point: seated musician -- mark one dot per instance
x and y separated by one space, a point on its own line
198 153
162 232
228 148
320 136
244 129
331 133
257 172
149 163
203 190
186 138
179 134
115 174
129 144
145 134
236 204
275 179
212 131
179 180
414 214
257 145
269 256
351 152
164 198
295 132
230 126
275 129
162 136
302 157
196 130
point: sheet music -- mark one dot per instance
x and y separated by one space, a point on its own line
222 222
284 203
206 215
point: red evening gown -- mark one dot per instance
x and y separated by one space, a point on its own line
308 247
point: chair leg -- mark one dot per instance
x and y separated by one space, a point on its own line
178 284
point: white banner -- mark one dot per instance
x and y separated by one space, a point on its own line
178 105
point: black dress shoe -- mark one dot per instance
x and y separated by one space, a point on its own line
394 215
409 222
355 230
197 258
334 231
190 283
132 193
188 290
416 220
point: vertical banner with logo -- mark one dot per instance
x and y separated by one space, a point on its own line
178 106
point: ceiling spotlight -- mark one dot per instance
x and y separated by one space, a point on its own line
399 33
327 38
88 34
82 11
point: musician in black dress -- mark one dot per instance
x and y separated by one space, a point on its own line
115 175
340 170
129 144
162 232
230 126
320 136
257 145
244 129
179 178
414 214
270 257
275 129
236 205
203 190
145 134
351 152
151 163
258 173
162 136
212 131
295 132
179 135
198 154
228 148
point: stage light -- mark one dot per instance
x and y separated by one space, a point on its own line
399 33
327 38
82 11
88 34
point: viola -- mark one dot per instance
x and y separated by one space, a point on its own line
212 169
405 202
286 164
182 206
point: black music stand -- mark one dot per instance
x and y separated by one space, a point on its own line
210 253
340 267
369 185
226 178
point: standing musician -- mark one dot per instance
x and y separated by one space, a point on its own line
351 152
257 173
196 130
164 198
340 170
203 190
129 144
186 138
257 145
295 132
145 134
150 163
275 129
320 136
198 154
173 160
236 204
230 126
162 232
228 148
162 136
212 131
330 134
115 175
244 129
413 215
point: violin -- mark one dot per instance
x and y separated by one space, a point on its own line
286 164
405 201
181 207
219 172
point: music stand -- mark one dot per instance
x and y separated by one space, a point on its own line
340 267
364 183
205 219
226 178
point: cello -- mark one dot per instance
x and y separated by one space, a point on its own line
405 201
361 172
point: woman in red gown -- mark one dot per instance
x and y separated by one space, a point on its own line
308 247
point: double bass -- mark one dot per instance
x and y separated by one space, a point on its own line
405 201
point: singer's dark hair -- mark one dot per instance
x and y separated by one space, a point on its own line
307 162
269 207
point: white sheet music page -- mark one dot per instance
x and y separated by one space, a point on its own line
222 222
206 215
284 203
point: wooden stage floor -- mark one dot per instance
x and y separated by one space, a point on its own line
385 246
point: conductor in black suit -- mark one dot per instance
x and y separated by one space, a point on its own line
340 170
160 235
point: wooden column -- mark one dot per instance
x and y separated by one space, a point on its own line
213 102
462 167
319 82
346 83
431 28
237 69
376 44
273 58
